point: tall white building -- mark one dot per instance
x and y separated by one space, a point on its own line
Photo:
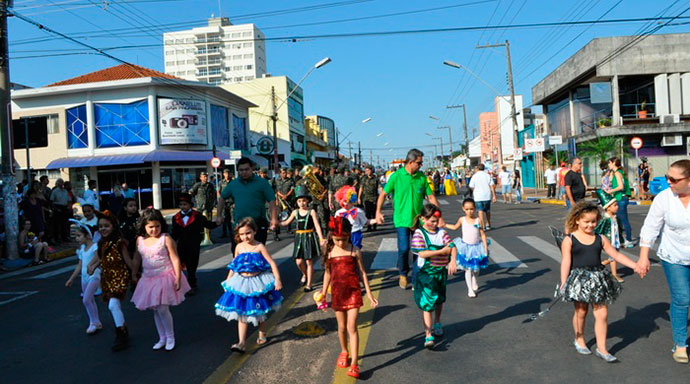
220 53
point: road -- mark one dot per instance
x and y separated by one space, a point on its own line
487 339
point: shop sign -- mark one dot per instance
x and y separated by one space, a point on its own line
264 145
182 121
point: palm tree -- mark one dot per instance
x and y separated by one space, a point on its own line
600 149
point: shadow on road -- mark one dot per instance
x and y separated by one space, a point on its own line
636 324
504 282
520 224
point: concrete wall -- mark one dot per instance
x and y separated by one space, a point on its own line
668 53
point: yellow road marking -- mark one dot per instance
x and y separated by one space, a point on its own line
234 362
366 320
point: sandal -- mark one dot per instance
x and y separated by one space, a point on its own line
353 371
237 348
261 340
342 360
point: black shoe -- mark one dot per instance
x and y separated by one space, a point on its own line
193 291
308 289
121 339
276 238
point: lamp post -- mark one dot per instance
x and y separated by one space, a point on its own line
464 119
274 115
338 142
450 137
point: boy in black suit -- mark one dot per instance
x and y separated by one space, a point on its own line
188 230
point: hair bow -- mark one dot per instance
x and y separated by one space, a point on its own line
437 214
80 224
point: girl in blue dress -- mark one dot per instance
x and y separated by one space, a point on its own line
252 286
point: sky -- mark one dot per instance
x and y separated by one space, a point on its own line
397 80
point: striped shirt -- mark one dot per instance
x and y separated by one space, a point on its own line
440 239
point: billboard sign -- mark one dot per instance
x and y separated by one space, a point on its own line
182 121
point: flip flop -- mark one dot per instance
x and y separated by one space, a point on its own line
342 360
237 348
353 371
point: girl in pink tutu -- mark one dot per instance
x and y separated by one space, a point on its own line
162 283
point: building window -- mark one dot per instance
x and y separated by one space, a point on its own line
237 57
236 35
249 78
247 45
53 124
238 79
169 52
169 63
249 66
190 61
169 41
214 71
214 82
122 125
239 132
237 68
226 69
219 125
249 56
77 134
181 62
203 72
237 46
246 34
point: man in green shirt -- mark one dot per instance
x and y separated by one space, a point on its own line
409 187
250 193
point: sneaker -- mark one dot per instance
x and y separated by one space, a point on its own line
403 282
169 343
607 357
582 350
488 228
429 342
159 345
628 244
438 329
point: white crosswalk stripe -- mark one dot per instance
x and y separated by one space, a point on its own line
53 273
214 264
387 256
502 257
548 248
443 202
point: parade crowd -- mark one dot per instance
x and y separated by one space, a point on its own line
124 250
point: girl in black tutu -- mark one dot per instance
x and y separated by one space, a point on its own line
584 280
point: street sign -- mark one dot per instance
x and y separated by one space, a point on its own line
265 145
517 154
555 140
534 145
636 143
236 154
215 162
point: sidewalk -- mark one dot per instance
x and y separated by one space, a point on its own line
528 194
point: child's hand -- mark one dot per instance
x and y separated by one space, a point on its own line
323 242
90 269
279 285
68 283
452 268
373 300
177 284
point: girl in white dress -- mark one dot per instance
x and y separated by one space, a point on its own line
90 284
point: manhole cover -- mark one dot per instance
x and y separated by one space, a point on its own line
308 329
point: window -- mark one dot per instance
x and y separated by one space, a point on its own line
237 68
169 52
77 134
169 63
181 62
236 57
214 61
201 51
179 51
247 45
239 132
189 40
249 56
203 72
247 78
179 41
189 50
236 46
226 69
169 41
213 50
236 35
219 125
238 79
122 125
53 124
214 82
246 34
202 62
249 66
190 61
190 72
214 71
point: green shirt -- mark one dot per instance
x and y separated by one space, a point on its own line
408 197
618 195
250 197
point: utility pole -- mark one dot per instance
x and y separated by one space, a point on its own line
274 117
359 157
337 147
450 137
513 112
7 153
464 119
371 157
349 153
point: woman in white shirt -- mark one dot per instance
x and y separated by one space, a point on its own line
671 211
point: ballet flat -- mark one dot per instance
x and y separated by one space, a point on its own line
159 345
607 357
581 350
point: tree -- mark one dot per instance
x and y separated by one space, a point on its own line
600 149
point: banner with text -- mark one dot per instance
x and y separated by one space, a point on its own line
182 121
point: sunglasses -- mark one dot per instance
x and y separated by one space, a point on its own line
419 162
671 180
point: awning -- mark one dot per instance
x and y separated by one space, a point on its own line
259 161
162 155
299 159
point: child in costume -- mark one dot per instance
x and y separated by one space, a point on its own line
91 220
341 260
90 283
347 197
162 283
584 280
306 246
435 251
252 286
116 266
128 218
473 248
610 226
188 231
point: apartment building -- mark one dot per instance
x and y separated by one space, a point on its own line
220 53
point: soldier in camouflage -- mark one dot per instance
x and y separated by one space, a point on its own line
229 205
205 198
319 203
368 193
285 190
337 181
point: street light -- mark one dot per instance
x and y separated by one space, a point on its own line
434 117
274 116
338 142
458 66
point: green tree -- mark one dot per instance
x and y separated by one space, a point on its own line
600 149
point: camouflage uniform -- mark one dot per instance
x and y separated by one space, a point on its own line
227 211
370 193
205 198
320 206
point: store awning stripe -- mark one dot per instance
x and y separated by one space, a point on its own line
162 155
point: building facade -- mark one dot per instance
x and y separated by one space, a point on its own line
128 124
490 137
220 53
320 137
266 93
619 87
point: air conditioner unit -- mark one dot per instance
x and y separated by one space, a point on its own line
669 119
672 140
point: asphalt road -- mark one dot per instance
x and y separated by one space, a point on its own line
487 339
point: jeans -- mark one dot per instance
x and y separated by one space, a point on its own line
518 194
551 190
404 237
678 278
622 214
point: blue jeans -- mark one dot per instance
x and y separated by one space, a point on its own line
622 214
404 237
678 278
518 194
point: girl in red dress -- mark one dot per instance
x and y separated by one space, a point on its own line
341 260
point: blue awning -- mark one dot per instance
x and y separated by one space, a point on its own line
162 155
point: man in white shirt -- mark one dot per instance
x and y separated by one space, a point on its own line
551 176
483 193
504 177
91 195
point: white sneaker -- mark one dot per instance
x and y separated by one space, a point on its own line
628 244
159 345
170 344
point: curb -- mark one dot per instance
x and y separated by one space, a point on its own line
62 254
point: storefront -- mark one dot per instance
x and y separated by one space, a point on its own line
129 124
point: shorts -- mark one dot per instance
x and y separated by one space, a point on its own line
356 238
484 206
505 189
